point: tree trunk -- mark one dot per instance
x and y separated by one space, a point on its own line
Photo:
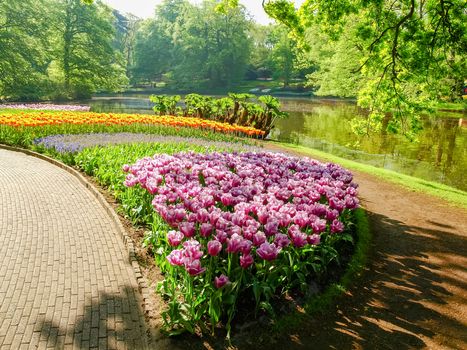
67 41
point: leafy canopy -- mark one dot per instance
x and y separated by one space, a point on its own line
408 54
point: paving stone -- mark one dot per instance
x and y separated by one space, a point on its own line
64 271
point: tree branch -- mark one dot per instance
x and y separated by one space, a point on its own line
398 26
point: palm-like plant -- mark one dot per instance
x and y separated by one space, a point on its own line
199 106
222 108
237 98
235 109
164 104
271 113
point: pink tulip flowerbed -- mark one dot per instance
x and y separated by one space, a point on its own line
248 226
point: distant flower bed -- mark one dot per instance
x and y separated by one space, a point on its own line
46 106
247 225
36 119
77 142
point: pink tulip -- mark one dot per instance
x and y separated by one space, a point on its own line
246 246
193 267
221 236
314 239
301 219
221 281
259 238
298 237
234 243
331 214
263 216
174 238
271 228
281 240
187 228
202 215
246 261
214 247
192 249
130 180
176 257
318 226
268 251
206 230
351 202
337 226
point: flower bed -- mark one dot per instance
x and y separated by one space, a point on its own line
46 106
248 225
37 119
77 142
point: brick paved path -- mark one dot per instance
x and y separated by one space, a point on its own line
65 279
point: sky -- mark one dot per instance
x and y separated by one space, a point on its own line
145 8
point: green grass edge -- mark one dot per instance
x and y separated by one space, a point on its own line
451 195
323 302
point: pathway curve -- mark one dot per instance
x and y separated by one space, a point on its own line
65 279
414 292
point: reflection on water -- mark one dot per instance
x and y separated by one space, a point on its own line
439 155
117 104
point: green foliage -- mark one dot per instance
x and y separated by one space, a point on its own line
76 48
322 302
399 56
283 55
200 106
225 6
193 45
65 52
88 59
24 58
337 62
165 105
284 11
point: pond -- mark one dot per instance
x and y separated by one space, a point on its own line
439 155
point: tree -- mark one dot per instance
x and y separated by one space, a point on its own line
155 49
193 45
24 46
336 62
259 61
126 26
66 51
283 56
87 57
412 51
215 44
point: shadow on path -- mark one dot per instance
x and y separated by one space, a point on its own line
108 322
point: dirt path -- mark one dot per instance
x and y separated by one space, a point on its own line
414 293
